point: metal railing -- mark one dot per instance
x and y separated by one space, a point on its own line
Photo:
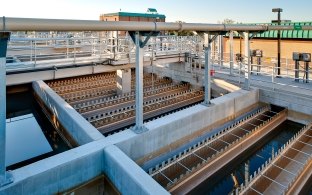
43 49
265 73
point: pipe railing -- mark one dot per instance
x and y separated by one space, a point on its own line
36 24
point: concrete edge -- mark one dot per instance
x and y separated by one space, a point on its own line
128 177
80 129
60 172
182 124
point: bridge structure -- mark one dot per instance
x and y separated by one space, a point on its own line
53 56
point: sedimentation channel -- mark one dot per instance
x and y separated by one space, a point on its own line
235 173
33 133
220 163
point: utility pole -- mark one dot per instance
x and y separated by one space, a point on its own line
278 10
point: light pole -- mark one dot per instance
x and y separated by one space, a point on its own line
278 10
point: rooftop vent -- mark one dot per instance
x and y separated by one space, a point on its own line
151 10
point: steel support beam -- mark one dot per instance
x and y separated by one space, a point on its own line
207 75
5 178
207 78
247 61
139 59
221 50
231 52
139 62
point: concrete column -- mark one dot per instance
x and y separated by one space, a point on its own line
207 75
139 59
123 81
247 61
4 177
231 52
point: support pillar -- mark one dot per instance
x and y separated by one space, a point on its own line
307 67
5 178
207 79
221 48
247 61
207 75
297 71
139 59
123 81
231 52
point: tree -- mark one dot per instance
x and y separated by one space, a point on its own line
181 33
227 21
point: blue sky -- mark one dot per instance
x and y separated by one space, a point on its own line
202 11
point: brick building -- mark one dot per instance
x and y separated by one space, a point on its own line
150 16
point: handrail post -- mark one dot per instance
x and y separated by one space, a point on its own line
247 61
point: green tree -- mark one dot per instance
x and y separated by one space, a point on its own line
227 21
181 33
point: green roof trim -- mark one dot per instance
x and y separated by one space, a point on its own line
296 33
129 14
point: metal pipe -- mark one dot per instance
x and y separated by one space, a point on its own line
20 24
36 24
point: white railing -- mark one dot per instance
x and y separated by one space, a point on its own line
30 50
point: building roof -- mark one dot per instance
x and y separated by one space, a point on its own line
129 14
289 34
297 33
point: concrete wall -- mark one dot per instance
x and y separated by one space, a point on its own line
127 176
22 78
58 173
293 101
166 130
79 128
196 79
80 165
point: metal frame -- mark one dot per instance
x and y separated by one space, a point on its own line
247 36
5 178
207 79
140 43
